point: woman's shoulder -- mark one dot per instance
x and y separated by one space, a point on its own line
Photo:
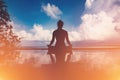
64 30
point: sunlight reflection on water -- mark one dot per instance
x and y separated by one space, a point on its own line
93 58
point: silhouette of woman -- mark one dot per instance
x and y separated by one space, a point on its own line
60 48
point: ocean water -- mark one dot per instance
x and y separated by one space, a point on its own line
39 57
94 58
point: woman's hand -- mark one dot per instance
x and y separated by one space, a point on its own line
49 45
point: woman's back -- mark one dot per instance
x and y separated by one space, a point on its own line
60 36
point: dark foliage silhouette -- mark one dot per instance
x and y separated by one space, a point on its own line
7 37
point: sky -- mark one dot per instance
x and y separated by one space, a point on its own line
83 19
29 12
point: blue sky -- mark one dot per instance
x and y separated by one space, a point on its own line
29 12
83 19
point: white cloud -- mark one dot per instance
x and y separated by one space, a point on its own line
36 33
97 26
52 10
75 35
98 5
39 33
100 20
89 3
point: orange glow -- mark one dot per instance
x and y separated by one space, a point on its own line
94 65
55 72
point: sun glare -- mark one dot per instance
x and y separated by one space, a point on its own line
1 78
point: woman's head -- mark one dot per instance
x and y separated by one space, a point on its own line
60 24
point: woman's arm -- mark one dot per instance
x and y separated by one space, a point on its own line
53 38
67 39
